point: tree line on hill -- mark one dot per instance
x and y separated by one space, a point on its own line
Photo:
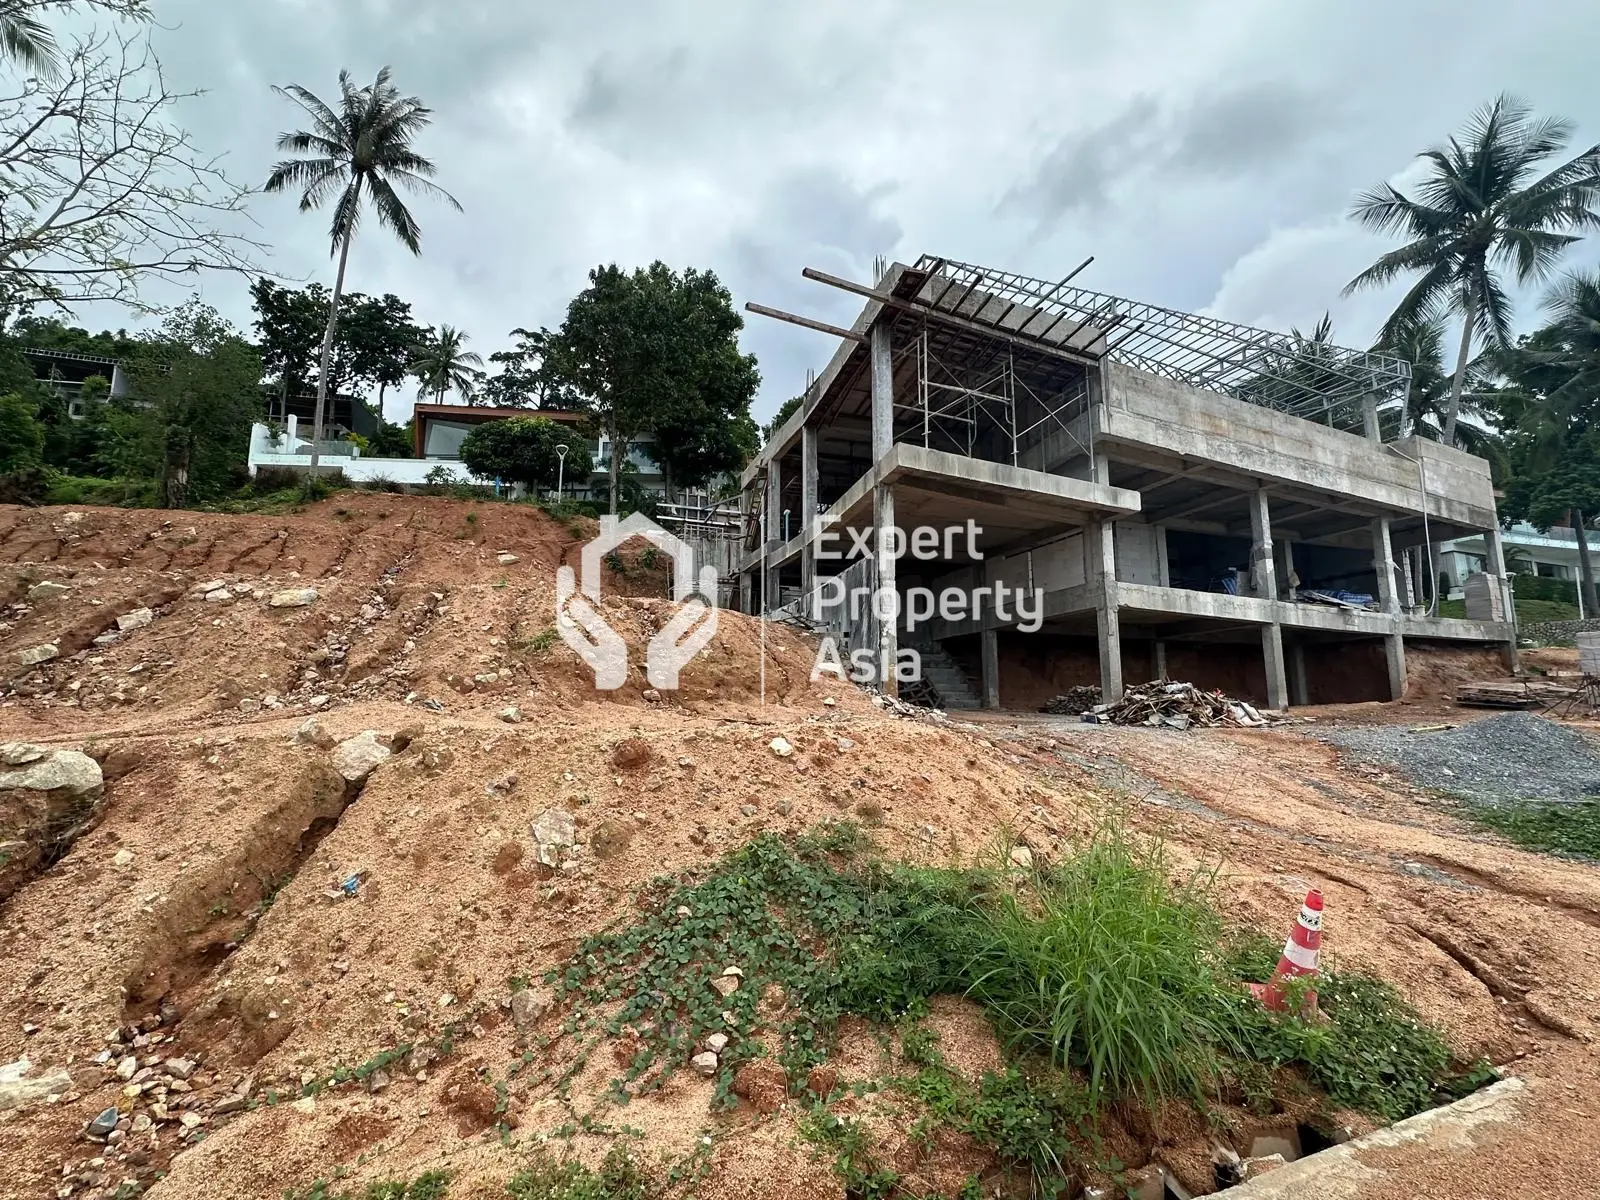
647 352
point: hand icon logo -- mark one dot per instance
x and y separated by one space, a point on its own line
603 649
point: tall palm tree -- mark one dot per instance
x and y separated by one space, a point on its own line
442 364
359 151
1482 206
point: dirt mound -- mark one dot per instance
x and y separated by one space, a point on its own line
442 602
272 961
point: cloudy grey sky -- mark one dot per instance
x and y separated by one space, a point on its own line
1203 151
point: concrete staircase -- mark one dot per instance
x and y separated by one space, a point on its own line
942 673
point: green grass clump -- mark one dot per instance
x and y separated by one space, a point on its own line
432 1185
1106 968
1571 829
1106 980
620 1177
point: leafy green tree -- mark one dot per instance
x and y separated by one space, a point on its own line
785 410
523 450
21 435
361 151
527 378
1484 205
289 323
655 351
379 341
441 363
195 391
392 441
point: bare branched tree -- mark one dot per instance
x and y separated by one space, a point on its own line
100 190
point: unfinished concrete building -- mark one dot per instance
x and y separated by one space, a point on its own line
1194 499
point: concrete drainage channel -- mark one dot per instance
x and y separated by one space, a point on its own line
1341 1172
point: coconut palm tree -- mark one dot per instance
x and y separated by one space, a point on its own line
24 38
442 364
1421 343
357 151
1483 206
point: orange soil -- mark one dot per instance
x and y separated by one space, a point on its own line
218 806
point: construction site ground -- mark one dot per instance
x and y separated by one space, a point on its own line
209 898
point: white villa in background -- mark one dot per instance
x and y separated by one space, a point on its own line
1549 555
437 433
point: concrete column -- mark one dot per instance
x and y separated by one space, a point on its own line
1101 560
775 500
888 631
1272 653
808 517
1497 567
1369 419
1394 645
747 587
1100 469
1291 586
1262 577
1383 565
1162 565
989 640
1394 654
882 391
1299 685
1407 560
1161 659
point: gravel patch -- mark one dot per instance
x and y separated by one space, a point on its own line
1517 756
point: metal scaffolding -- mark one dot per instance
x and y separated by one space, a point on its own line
980 397
1302 376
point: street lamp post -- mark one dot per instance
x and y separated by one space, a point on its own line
561 469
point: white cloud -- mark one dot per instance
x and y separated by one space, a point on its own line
1220 141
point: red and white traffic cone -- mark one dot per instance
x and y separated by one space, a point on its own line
1299 957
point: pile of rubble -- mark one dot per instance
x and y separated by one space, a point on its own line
1175 706
1073 701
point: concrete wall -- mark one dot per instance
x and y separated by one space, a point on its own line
266 451
1059 563
1145 410
1138 553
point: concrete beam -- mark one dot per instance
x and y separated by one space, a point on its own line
1100 568
1383 565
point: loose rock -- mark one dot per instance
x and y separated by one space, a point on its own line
137 619
35 655
553 832
293 598
357 757
704 1063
